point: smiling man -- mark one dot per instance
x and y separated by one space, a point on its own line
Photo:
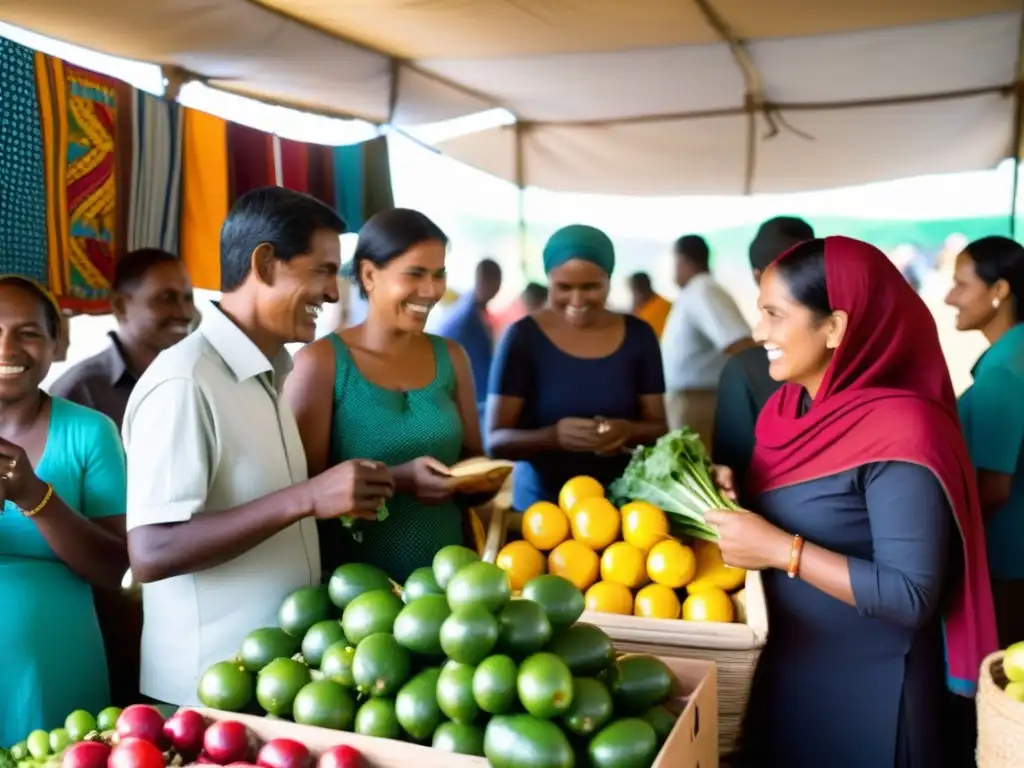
152 302
220 511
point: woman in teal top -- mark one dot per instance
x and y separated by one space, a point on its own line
387 391
62 487
988 291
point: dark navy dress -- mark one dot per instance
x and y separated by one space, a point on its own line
856 687
554 385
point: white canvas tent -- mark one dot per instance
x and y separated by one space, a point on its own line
612 96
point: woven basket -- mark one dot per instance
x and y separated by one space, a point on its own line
735 649
1000 719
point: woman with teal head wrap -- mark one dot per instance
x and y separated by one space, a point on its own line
574 384
582 242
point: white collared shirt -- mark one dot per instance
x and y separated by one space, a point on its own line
206 430
703 323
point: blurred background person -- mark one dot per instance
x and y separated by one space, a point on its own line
988 294
745 384
704 327
649 306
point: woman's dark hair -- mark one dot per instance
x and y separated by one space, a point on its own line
49 308
1000 258
389 234
803 271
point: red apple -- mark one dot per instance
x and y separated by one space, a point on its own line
141 721
341 756
184 731
86 754
226 742
284 753
133 752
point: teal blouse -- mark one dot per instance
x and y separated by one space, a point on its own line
52 660
992 413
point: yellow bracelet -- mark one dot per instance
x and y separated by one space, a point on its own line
39 507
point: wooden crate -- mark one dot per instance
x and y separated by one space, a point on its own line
693 742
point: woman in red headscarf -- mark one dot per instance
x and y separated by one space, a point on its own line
870 535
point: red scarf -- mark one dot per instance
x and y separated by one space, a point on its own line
886 396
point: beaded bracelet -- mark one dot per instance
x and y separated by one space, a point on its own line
794 556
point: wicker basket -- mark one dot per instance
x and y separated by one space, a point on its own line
1000 719
735 649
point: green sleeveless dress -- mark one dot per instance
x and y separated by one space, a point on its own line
370 422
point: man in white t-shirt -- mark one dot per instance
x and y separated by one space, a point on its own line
704 327
221 515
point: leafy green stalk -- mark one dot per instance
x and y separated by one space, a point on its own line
352 523
674 475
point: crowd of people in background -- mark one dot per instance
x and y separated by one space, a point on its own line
887 517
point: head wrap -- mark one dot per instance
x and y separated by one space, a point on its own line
886 396
579 241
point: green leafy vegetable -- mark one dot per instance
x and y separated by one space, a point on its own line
352 523
674 475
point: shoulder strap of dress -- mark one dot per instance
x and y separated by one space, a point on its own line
445 371
342 360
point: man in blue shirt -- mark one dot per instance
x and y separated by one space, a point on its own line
468 325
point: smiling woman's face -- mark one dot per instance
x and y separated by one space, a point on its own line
404 291
26 344
796 339
578 291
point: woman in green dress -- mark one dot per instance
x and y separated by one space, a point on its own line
62 498
387 391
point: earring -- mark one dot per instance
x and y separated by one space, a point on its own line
995 303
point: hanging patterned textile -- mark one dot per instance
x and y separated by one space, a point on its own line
86 121
224 160
154 204
23 244
362 180
89 168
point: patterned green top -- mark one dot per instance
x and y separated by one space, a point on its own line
370 422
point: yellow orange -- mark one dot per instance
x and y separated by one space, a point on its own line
595 522
710 604
609 597
712 570
577 489
656 601
521 561
545 525
575 562
624 564
643 524
671 564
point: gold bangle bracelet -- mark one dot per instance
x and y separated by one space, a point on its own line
39 507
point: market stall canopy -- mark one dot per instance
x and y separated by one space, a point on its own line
644 97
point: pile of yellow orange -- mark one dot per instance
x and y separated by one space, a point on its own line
625 561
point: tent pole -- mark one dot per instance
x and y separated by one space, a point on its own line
520 171
1018 125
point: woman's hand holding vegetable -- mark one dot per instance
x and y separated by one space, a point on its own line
748 540
725 480
426 478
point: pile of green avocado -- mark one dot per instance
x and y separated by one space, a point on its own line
455 662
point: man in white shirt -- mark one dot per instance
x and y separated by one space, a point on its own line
704 327
221 515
